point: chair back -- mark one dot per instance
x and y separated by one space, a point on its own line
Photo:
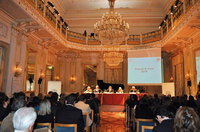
147 128
91 115
144 122
85 118
58 127
42 125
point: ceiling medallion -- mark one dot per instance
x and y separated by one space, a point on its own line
112 29
113 58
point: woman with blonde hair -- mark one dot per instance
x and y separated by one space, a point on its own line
44 114
186 120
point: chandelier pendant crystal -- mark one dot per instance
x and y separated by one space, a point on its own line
112 29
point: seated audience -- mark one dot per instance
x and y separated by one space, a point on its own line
70 114
97 89
88 90
44 114
110 90
55 105
143 110
132 101
62 99
35 103
23 119
120 90
94 104
165 120
191 102
84 107
7 124
4 100
186 120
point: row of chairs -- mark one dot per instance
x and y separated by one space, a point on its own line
143 125
58 127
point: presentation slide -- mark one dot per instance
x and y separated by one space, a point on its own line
144 67
54 86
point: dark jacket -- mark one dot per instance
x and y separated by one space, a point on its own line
70 115
165 126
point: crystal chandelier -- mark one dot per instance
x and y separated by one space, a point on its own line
113 58
112 29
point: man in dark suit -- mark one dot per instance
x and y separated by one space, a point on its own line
70 114
164 117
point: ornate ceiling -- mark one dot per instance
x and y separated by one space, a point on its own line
142 15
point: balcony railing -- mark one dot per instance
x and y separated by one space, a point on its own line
171 21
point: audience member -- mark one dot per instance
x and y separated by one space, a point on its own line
143 110
186 120
191 102
4 100
54 103
84 107
165 120
70 114
23 119
44 114
7 124
62 99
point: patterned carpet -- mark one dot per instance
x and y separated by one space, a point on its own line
112 122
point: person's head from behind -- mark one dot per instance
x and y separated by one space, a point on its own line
3 100
162 114
17 104
70 99
133 97
54 97
186 120
191 98
82 98
45 107
20 95
23 119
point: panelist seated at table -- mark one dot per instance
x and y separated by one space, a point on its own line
88 90
110 90
132 90
97 89
120 90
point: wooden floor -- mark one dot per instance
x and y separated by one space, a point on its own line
112 122
112 119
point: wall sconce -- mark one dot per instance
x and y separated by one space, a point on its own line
18 70
171 79
72 79
187 76
42 75
57 78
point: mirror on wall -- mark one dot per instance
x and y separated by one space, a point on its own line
49 75
90 75
30 73
197 58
